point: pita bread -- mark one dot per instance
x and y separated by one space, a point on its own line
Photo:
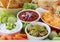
1 5
35 1
4 3
13 4
21 2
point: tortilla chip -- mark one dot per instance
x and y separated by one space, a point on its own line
13 4
4 3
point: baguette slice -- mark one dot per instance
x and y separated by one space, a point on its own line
13 4
4 3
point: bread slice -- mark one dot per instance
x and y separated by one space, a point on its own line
4 3
13 4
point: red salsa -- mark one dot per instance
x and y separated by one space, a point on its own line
28 16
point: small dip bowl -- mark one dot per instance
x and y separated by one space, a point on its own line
30 37
28 16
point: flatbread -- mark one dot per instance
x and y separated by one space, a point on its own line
4 3
13 4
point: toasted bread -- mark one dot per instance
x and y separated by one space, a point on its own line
4 3
13 4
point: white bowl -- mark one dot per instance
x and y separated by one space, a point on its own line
41 10
4 31
29 10
38 38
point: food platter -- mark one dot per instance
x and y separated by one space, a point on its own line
29 20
